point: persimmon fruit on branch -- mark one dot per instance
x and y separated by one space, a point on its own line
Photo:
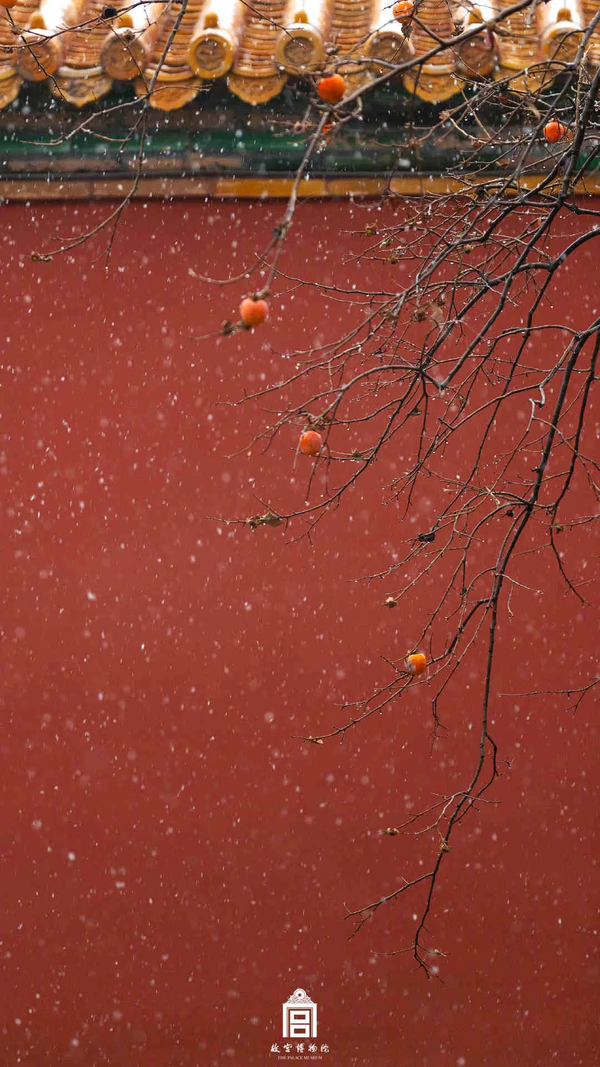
310 442
403 10
253 311
554 132
332 88
416 663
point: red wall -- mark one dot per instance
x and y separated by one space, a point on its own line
174 863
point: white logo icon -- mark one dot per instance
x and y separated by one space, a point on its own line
299 1015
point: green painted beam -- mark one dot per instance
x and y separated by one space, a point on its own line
219 135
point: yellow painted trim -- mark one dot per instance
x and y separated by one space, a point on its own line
252 188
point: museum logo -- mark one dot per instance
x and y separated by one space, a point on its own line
299 1030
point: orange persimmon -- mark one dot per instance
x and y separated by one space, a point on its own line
253 311
416 663
311 442
8 3
332 88
403 11
554 131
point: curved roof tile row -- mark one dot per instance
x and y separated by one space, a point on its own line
80 47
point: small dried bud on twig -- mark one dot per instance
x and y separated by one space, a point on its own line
390 832
39 257
321 422
390 602
269 519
